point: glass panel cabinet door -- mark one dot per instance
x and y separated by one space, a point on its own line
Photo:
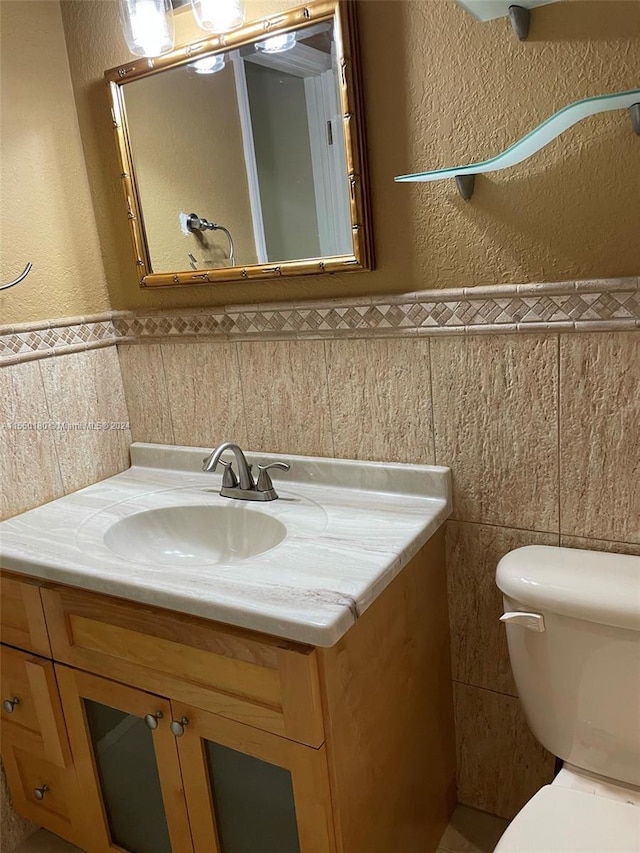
127 765
250 791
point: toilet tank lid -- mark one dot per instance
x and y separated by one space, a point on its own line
592 585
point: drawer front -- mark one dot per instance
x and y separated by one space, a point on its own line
21 616
31 714
263 682
45 794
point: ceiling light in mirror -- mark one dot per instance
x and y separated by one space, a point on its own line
207 65
218 16
147 26
277 44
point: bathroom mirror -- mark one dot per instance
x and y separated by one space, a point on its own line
243 154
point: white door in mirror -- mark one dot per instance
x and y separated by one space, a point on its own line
530 621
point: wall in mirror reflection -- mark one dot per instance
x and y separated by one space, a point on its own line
251 140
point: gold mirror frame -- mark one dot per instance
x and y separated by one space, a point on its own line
342 13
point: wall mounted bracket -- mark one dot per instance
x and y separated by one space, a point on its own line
519 12
520 18
466 185
535 140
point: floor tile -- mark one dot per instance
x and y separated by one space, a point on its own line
472 831
45 842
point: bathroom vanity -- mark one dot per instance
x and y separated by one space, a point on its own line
297 699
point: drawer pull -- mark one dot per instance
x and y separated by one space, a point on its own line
9 704
151 720
177 726
39 793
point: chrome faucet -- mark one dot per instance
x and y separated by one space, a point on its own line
243 487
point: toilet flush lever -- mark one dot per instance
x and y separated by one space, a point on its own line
530 621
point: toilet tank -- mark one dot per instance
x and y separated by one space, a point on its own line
579 678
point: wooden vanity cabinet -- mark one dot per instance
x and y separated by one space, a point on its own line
180 735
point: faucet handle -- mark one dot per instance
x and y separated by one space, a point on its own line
229 479
264 479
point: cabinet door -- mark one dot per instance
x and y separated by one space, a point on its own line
34 746
248 790
127 765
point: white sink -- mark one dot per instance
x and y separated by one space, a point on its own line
303 567
194 535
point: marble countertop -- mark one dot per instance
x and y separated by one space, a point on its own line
351 527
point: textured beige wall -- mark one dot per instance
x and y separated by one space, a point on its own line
440 87
46 215
187 142
506 412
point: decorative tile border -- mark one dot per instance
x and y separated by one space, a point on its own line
595 305
29 341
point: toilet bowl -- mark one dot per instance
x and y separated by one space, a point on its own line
573 628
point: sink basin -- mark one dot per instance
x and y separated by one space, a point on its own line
194 535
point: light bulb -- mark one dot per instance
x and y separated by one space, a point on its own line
277 44
148 26
218 16
208 65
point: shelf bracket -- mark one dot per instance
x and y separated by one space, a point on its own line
520 21
634 112
466 185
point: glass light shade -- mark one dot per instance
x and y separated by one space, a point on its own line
208 64
218 16
148 26
277 44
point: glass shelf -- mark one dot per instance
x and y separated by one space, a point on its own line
536 139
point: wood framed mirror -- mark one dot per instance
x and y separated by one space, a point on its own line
243 155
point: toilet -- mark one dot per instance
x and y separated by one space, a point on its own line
573 627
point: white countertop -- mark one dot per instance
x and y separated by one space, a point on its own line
352 526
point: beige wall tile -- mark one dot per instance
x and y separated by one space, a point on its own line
600 435
380 393
495 420
85 389
479 653
500 763
286 397
600 545
29 471
471 831
205 393
145 391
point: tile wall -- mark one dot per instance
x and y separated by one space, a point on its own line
75 406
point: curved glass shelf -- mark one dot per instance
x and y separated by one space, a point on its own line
536 139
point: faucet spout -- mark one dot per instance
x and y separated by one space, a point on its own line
244 472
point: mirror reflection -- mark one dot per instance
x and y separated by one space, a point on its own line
240 157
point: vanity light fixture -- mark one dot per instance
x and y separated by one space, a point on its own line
277 44
208 64
147 26
218 16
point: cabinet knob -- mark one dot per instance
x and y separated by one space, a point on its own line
178 726
39 793
9 704
151 720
